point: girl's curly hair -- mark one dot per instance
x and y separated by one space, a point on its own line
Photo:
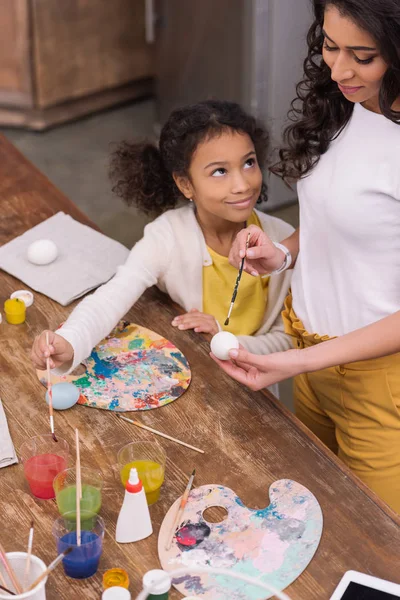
320 111
141 173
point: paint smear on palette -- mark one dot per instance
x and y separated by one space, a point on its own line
274 544
132 369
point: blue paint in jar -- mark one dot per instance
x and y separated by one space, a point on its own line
83 561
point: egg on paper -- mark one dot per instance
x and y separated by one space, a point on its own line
65 395
42 252
222 343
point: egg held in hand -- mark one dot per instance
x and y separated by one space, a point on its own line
222 343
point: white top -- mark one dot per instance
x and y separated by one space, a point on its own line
171 255
347 274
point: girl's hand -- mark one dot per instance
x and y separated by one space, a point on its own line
261 257
200 322
258 371
59 350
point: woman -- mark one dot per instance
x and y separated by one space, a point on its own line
343 148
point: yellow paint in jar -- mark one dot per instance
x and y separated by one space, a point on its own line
15 311
151 475
115 578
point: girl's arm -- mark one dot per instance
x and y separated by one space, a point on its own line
99 313
275 340
373 341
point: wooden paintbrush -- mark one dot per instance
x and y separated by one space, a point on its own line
181 510
164 435
7 590
10 570
49 569
235 289
78 489
50 391
29 553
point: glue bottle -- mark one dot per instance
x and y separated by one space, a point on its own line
134 521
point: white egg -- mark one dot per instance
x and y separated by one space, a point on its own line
42 252
65 395
222 342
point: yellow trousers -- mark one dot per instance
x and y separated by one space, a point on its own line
354 409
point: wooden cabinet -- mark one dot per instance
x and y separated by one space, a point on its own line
60 59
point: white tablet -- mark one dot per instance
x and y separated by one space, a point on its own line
358 586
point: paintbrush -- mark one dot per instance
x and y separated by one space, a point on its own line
164 435
235 289
10 570
7 590
50 391
78 487
49 569
181 510
29 554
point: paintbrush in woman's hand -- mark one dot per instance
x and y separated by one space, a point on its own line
235 289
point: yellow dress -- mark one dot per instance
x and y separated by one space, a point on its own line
218 282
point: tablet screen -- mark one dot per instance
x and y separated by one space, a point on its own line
356 591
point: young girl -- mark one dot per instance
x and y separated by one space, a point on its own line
344 150
210 156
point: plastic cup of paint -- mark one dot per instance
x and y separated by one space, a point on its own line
43 459
17 561
64 485
83 561
149 460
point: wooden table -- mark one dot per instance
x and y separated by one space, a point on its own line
250 439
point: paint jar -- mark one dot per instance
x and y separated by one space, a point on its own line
115 578
148 458
116 593
65 491
17 561
43 459
158 583
83 561
15 311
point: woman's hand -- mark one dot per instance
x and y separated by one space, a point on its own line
59 350
200 322
258 371
261 257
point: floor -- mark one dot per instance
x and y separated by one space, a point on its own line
75 158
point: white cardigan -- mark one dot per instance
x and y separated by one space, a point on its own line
171 255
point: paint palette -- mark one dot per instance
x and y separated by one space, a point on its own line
132 369
274 544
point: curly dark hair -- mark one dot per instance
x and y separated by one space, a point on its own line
142 174
320 111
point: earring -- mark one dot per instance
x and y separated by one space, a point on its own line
190 199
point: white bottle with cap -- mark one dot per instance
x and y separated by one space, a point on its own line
134 521
116 593
157 583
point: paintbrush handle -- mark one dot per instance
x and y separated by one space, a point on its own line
49 387
164 435
28 557
47 572
2 587
10 570
174 526
180 512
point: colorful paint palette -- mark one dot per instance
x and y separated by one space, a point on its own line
132 369
274 544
